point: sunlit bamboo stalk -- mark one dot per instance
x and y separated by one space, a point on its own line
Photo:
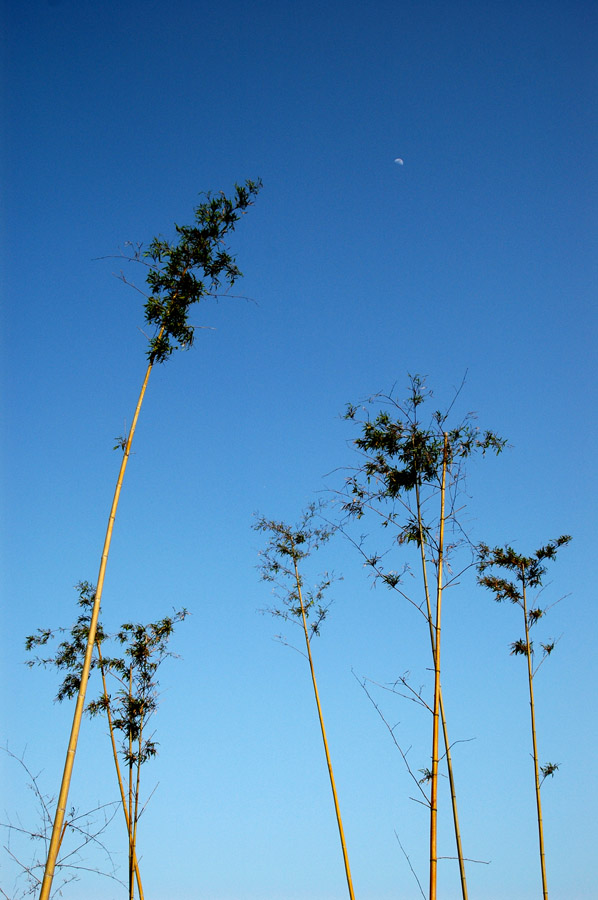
136 801
93 624
436 707
118 771
167 307
530 675
447 746
131 882
326 750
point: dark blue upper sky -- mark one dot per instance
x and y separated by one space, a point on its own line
477 255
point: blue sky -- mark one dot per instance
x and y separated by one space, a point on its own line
476 256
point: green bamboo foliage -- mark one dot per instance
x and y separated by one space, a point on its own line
524 573
179 275
408 468
287 547
132 672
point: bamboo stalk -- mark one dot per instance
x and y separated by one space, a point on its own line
326 750
118 772
436 708
449 761
530 675
80 704
131 883
137 787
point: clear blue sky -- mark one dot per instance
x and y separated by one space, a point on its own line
478 255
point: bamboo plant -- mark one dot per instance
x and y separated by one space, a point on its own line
133 671
524 573
287 547
179 275
407 467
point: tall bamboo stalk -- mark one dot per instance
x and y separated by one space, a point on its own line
447 746
93 624
436 707
530 676
173 290
326 750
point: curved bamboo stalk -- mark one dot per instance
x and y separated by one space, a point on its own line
80 704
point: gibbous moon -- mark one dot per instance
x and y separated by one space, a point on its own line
399 162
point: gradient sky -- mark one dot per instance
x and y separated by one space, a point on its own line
476 256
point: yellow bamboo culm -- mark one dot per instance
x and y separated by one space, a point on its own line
118 772
447 746
327 752
133 831
80 704
530 676
436 709
131 882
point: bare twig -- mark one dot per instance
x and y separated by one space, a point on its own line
421 890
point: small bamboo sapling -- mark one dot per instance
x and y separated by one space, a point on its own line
524 573
133 670
287 547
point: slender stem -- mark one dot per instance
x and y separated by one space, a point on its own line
80 704
530 677
447 746
131 883
117 766
436 709
327 752
137 783
449 763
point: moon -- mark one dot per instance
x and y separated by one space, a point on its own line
399 162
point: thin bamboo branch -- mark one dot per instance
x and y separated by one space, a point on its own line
421 890
326 750
391 730
534 742
80 704
434 778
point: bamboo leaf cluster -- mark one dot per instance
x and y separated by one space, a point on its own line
528 571
402 453
279 565
185 272
143 649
